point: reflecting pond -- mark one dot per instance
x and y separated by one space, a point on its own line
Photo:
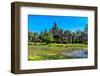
56 52
79 53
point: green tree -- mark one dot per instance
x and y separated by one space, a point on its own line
67 36
60 34
30 36
78 36
85 34
47 37
45 31
35 37
73 37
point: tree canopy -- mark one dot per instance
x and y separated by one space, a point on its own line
58 35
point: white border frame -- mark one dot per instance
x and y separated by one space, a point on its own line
25 64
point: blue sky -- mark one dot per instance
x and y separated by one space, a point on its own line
37 23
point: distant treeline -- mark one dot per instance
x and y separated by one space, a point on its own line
57 35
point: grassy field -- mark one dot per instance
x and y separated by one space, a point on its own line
42 51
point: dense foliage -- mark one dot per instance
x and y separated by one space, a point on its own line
57 35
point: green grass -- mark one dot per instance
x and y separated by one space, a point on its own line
42 51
